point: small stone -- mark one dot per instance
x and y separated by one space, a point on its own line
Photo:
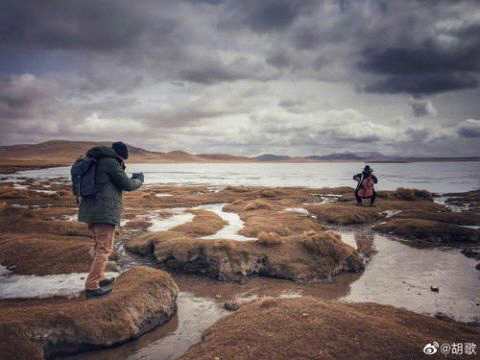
304 314
434 289
442 316
231 305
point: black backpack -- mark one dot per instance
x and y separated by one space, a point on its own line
83 177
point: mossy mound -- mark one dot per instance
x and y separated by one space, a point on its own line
344 214
45 254
406 194
142 299
307 256
458 218
204 223
308 328
428 230
22 220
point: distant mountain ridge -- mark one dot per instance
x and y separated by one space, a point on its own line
272 157
65 152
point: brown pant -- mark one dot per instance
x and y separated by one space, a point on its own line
103 236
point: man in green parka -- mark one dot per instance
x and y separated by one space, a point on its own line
102 212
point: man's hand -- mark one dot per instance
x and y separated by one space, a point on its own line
138 176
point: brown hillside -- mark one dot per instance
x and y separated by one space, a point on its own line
224 157
62 152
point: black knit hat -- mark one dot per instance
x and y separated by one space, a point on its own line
367 169
121 149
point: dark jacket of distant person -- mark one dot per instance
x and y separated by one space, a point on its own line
111 180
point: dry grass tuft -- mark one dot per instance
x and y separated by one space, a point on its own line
269 239
257 204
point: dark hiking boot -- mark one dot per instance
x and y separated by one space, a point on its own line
98 292
106 282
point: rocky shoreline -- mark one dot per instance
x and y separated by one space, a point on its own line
224 233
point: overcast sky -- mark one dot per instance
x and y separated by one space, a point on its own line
296 77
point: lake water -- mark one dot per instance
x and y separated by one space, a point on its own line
441 177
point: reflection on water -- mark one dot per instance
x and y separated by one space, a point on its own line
443 200
401 275
170 341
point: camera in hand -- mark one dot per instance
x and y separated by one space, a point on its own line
138 176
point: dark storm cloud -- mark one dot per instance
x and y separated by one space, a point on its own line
469 129
279 60
69 24
434 57
156 36
469 132
372 138
307 38
211 2
266 15
210 74
425 59
422 84
421 107
289 103
21 95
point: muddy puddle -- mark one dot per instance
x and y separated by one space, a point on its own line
195 314
423 280
14 286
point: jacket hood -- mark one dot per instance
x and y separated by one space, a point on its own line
99 152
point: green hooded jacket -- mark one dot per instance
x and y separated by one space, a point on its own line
111 180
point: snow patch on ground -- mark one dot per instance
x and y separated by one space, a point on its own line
391 213
20 187
229 231
49 192
179 217
163 195
4 271
348 237
33 286
474 227
325 198
73 217
248 298
302 211
215 189
19 206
